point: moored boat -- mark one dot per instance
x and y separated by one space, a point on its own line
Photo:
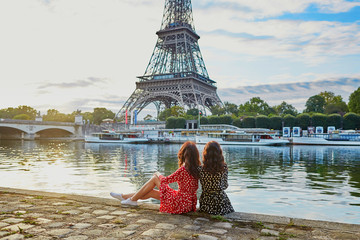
116 137
241 138
333 138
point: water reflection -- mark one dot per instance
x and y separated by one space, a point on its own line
299 181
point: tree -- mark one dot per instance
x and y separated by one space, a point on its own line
351 121
333 103
171 122
174 111
303 120
22 116
275 123
100 114
31 112
289 120
248 122
256 105
237 123
284 108
193 112
319 119
334 120
217 110
213 119
354 101
262 121
12 112
231 108
204 120
180 122
226 119
315 103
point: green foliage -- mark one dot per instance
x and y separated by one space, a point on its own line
237 122
22 116
180 122
12 112
231 108
333 104
262 121
284 108
226 119
256 105
275 122
289 120
315 103
171 122
55 116
101 114
354 101
213 119
334 120
204 120
303 120
319 119
193 112
175 111
217 110
336 108
248 122
351 121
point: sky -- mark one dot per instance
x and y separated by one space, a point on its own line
83 54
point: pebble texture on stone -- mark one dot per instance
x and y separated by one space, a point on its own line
42 216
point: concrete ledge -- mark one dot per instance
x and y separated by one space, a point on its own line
236 216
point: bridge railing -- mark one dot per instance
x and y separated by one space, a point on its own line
33 122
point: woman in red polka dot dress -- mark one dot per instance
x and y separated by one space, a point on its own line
172 201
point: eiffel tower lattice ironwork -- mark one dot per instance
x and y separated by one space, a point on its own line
176 73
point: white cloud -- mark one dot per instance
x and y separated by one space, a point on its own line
295 93
56 44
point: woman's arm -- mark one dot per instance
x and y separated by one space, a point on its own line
225 179
174 177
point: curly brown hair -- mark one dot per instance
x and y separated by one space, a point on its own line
189 155
213 159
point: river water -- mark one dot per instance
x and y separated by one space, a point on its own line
313 182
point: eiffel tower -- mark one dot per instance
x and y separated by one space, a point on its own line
176 74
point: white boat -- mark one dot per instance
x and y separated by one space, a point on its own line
116 137
334 138
241 138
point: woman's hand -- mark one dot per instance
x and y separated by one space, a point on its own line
157 174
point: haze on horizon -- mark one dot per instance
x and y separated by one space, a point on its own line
82 54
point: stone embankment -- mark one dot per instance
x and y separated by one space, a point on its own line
43 215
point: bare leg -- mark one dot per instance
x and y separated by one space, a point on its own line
146 191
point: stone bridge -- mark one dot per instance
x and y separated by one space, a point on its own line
31 130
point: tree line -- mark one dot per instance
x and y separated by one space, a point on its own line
29 113
323 109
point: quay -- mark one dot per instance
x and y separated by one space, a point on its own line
45 215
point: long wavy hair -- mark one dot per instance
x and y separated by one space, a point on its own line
190 157
213 159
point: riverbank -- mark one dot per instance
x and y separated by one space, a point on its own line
45 215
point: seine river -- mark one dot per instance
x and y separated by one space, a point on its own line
313 182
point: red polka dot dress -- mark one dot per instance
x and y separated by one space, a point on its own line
182 200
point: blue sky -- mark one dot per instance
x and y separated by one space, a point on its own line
81 54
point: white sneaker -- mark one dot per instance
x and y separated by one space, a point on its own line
117 196
129 202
